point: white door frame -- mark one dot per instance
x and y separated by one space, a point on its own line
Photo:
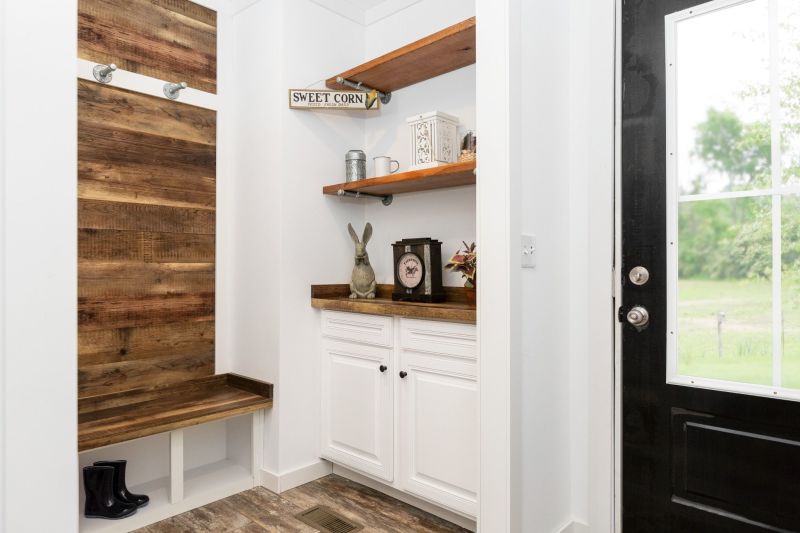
494 238
617 513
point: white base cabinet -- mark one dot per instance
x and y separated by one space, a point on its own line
400 404
358 408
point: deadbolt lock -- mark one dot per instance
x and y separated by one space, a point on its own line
639 275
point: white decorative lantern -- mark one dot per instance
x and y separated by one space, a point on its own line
434 139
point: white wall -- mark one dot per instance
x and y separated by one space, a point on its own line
39 255
592 59
288 236
447 215
544 369
565 389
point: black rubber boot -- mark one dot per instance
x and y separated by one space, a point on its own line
98 484
121 491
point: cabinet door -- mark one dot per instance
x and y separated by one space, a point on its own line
439 430
357 407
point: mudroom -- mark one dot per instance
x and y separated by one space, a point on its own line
496 266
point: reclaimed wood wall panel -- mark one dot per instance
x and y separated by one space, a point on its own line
104 105
173 40
116 245
131 344
146 240
99 214
98 379
98 279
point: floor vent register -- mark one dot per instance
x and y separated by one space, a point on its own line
327 521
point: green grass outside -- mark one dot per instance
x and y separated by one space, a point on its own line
746 331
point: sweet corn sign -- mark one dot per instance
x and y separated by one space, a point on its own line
323 99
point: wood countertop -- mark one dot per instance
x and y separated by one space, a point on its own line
336 298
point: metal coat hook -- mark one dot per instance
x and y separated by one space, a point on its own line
385 97
103 73
173 90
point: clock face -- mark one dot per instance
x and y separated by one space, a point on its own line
410 270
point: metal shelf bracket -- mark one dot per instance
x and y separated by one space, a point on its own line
384 97
385 200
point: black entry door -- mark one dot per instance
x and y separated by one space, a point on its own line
710 207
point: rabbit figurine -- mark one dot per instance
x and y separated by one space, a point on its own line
362 284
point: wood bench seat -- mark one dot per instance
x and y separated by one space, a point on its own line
122 416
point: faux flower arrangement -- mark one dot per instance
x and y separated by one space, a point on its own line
466 262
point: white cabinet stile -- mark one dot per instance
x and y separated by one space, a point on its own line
434 407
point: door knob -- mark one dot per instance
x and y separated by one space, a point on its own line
403 373
383 368
638 317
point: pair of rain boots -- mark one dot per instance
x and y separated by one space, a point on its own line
107 496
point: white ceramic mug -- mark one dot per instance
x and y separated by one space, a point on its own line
383 165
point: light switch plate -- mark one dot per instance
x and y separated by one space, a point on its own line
528 251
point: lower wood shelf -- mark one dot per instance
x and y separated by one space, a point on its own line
203 485
452 175
456 308
122 416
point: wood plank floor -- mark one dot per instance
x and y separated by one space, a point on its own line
259 510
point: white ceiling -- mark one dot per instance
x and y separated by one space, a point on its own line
366 4
365 12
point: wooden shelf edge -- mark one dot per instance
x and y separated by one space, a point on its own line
441 52
335 298
445 176
183 409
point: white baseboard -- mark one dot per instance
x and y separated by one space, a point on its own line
574 527
426 506
278 483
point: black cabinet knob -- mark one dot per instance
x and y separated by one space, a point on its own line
403 373
383 368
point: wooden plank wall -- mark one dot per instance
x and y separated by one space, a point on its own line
172 40
146 205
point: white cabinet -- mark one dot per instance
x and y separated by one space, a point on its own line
438 435
418 432
357 407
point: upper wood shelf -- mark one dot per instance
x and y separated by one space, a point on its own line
336 298
452 175
439 53
122 416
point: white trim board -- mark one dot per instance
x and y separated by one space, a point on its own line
616 513
419 503
131 81
278 483
496 222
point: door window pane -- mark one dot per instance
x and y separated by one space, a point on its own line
789 74
724 289
790 288
733 120
723 100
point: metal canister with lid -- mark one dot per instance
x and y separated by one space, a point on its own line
355 165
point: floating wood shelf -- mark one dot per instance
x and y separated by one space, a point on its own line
336 298
439 53
453 175
122 416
